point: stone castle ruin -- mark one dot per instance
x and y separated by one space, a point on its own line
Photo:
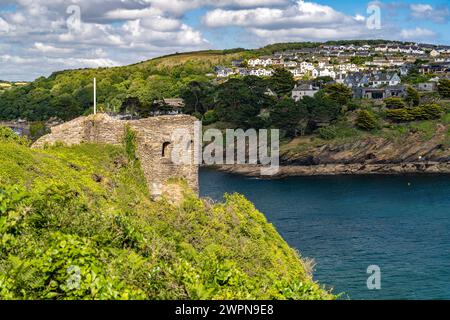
153 139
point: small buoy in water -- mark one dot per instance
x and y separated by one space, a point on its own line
409 184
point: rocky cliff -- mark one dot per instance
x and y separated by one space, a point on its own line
409 154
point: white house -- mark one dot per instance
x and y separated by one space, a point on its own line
266 61
223 72
290 64
297 72
381 49
254 62
306 66
383 78
261 72
304 90
327 73
262 61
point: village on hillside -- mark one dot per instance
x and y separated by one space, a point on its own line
371 71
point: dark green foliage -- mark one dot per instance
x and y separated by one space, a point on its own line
37 130
240 101
366 120
290 116
360 60
210 117
198 97
305 116
428 112
444 88
132 106
322 110
282 82
320 82
339 93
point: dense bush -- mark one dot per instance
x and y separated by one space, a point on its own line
366 120
339 93
400 115
77 223
328 133
423 112
210 117
394 103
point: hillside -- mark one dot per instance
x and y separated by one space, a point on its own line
77 223
68 94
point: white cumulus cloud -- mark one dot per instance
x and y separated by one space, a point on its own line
417 33
428 12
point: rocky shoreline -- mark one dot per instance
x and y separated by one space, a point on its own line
370 155
340 169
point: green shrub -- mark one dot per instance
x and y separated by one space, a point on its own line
430 111
328 133
423 112
400 115
366 120
394 103
210 117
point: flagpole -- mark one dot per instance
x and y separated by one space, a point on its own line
95 96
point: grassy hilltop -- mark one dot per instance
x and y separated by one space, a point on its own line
77 223
69 94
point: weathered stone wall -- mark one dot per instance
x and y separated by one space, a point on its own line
154 144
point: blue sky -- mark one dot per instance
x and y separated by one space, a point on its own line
41 36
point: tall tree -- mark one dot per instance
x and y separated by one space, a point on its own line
321 109
282 82
241 104
290 116
198 97
339 93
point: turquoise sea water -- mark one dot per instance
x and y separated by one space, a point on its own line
401 224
